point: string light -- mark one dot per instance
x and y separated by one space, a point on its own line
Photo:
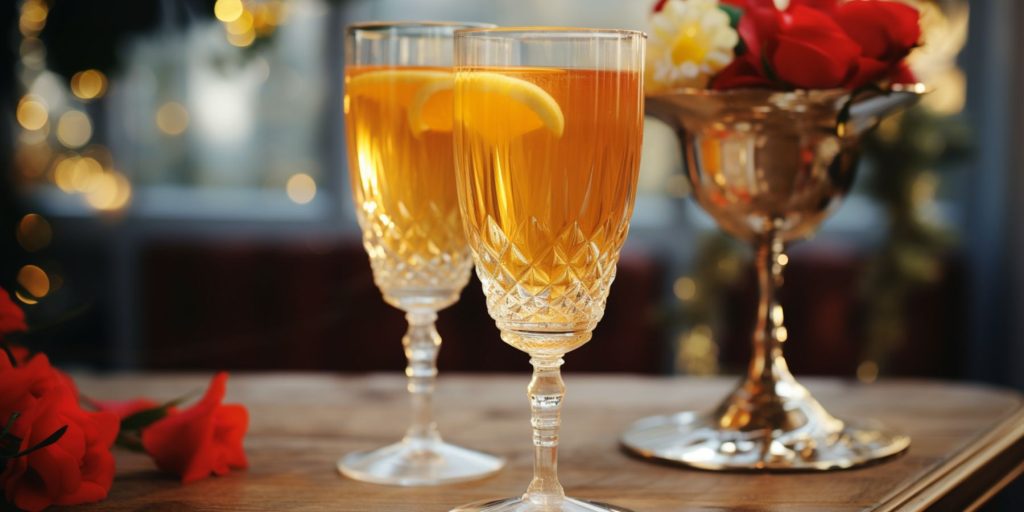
89 84
172 118
242 40
228 10
241 25
245 21
301 188
111 192
697 352
63 173
33 53
34 281
33 17
685 288
867 372
34 232
32 113
84 174
74 129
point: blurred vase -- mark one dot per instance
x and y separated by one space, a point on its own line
769 167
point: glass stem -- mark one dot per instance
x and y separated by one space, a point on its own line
546 391
767 364
421 344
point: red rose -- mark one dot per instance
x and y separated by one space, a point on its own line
203 439
902 74
741 73
886 32
821 44
12 318
821 5
824 5
801 47
78 467
812 51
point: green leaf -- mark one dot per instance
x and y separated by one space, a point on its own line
147 417
9 444
143 419
735 13
53 438
10 355
10 423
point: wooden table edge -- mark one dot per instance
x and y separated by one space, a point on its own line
971 477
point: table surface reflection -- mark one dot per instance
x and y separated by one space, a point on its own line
968 441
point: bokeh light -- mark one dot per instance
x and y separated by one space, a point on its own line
228 10
34 232
74 129
111 192
685 288
33 281
85 174
867 372
33 17
64 171
33 53
301 188
242 40
697 351
172 118
32 158
241 25
89 84
32 113
265 18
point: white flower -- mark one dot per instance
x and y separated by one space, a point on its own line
689 41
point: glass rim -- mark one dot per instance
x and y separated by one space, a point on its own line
541 30
384 25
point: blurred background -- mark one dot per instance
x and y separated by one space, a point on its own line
175 196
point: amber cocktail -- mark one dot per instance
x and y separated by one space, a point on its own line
398 116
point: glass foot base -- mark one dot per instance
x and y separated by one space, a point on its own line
408 465
699 441
522 505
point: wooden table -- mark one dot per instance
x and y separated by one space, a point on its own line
968 442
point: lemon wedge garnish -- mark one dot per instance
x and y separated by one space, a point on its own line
426 93
431 108
500 105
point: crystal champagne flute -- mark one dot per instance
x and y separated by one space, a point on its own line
398 116
548 128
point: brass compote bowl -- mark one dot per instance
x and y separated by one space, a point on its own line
769 167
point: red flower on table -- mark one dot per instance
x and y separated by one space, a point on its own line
201 440
78 467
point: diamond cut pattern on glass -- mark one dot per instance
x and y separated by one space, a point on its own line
409 253
569 295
